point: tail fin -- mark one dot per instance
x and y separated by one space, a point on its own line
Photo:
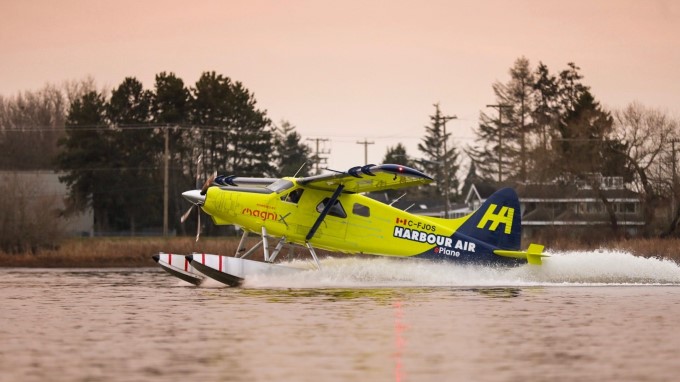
498 222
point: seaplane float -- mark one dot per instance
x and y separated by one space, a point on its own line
331 212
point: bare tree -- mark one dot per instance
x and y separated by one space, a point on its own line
31 123
647 135
28 219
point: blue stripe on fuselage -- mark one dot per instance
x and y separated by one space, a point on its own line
465 249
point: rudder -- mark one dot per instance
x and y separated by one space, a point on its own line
498 222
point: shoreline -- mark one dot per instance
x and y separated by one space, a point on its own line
136 252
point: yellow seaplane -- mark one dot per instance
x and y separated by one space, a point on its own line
330 212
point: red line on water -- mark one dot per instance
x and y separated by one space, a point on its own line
203 258
220 263
170 258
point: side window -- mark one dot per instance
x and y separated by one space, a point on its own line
294 196
361 210
336 209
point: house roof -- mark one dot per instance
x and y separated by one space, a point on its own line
485 190
480 191
569 192
543 216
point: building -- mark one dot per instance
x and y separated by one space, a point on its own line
578 206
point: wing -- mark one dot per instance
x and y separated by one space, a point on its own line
236 181
368 178
243 184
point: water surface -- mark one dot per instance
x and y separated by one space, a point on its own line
604 316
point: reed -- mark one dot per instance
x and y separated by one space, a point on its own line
115 252
127 252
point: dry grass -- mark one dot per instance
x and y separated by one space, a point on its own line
137 252
115 252
661 248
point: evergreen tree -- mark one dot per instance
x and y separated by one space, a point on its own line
505 136
251 138
519 95
516 142
586 149
171 100
209 115
86 157
441 159
139 149
291 154
492 152
234 135
584 145
170 108
570 89
545 115
398 155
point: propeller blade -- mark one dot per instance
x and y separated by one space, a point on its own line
186 214
198 226
198 171
208 183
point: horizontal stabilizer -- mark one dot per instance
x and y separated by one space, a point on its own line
533 254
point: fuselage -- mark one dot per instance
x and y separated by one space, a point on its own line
354 224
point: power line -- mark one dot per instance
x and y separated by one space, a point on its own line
117 128
318 152
500 137
365 143
442 119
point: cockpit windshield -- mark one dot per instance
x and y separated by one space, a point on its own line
281 185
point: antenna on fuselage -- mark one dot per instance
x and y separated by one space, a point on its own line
300 169
397 199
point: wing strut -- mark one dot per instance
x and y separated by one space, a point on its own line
313 253
325 211
242 243
251 250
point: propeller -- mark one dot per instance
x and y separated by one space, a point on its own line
197 197
208 183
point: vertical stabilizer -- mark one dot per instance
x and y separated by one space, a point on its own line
498 222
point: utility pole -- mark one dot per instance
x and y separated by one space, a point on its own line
500 138
166 182
674 179
317 153
447 188
365 143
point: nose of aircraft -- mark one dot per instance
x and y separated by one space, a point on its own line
194 196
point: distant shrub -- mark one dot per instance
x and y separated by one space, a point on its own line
29 218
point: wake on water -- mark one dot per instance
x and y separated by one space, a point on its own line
602 267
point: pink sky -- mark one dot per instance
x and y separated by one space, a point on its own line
349 70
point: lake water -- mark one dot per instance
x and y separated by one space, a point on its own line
600 316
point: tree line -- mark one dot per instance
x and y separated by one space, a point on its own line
110 145
546 127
